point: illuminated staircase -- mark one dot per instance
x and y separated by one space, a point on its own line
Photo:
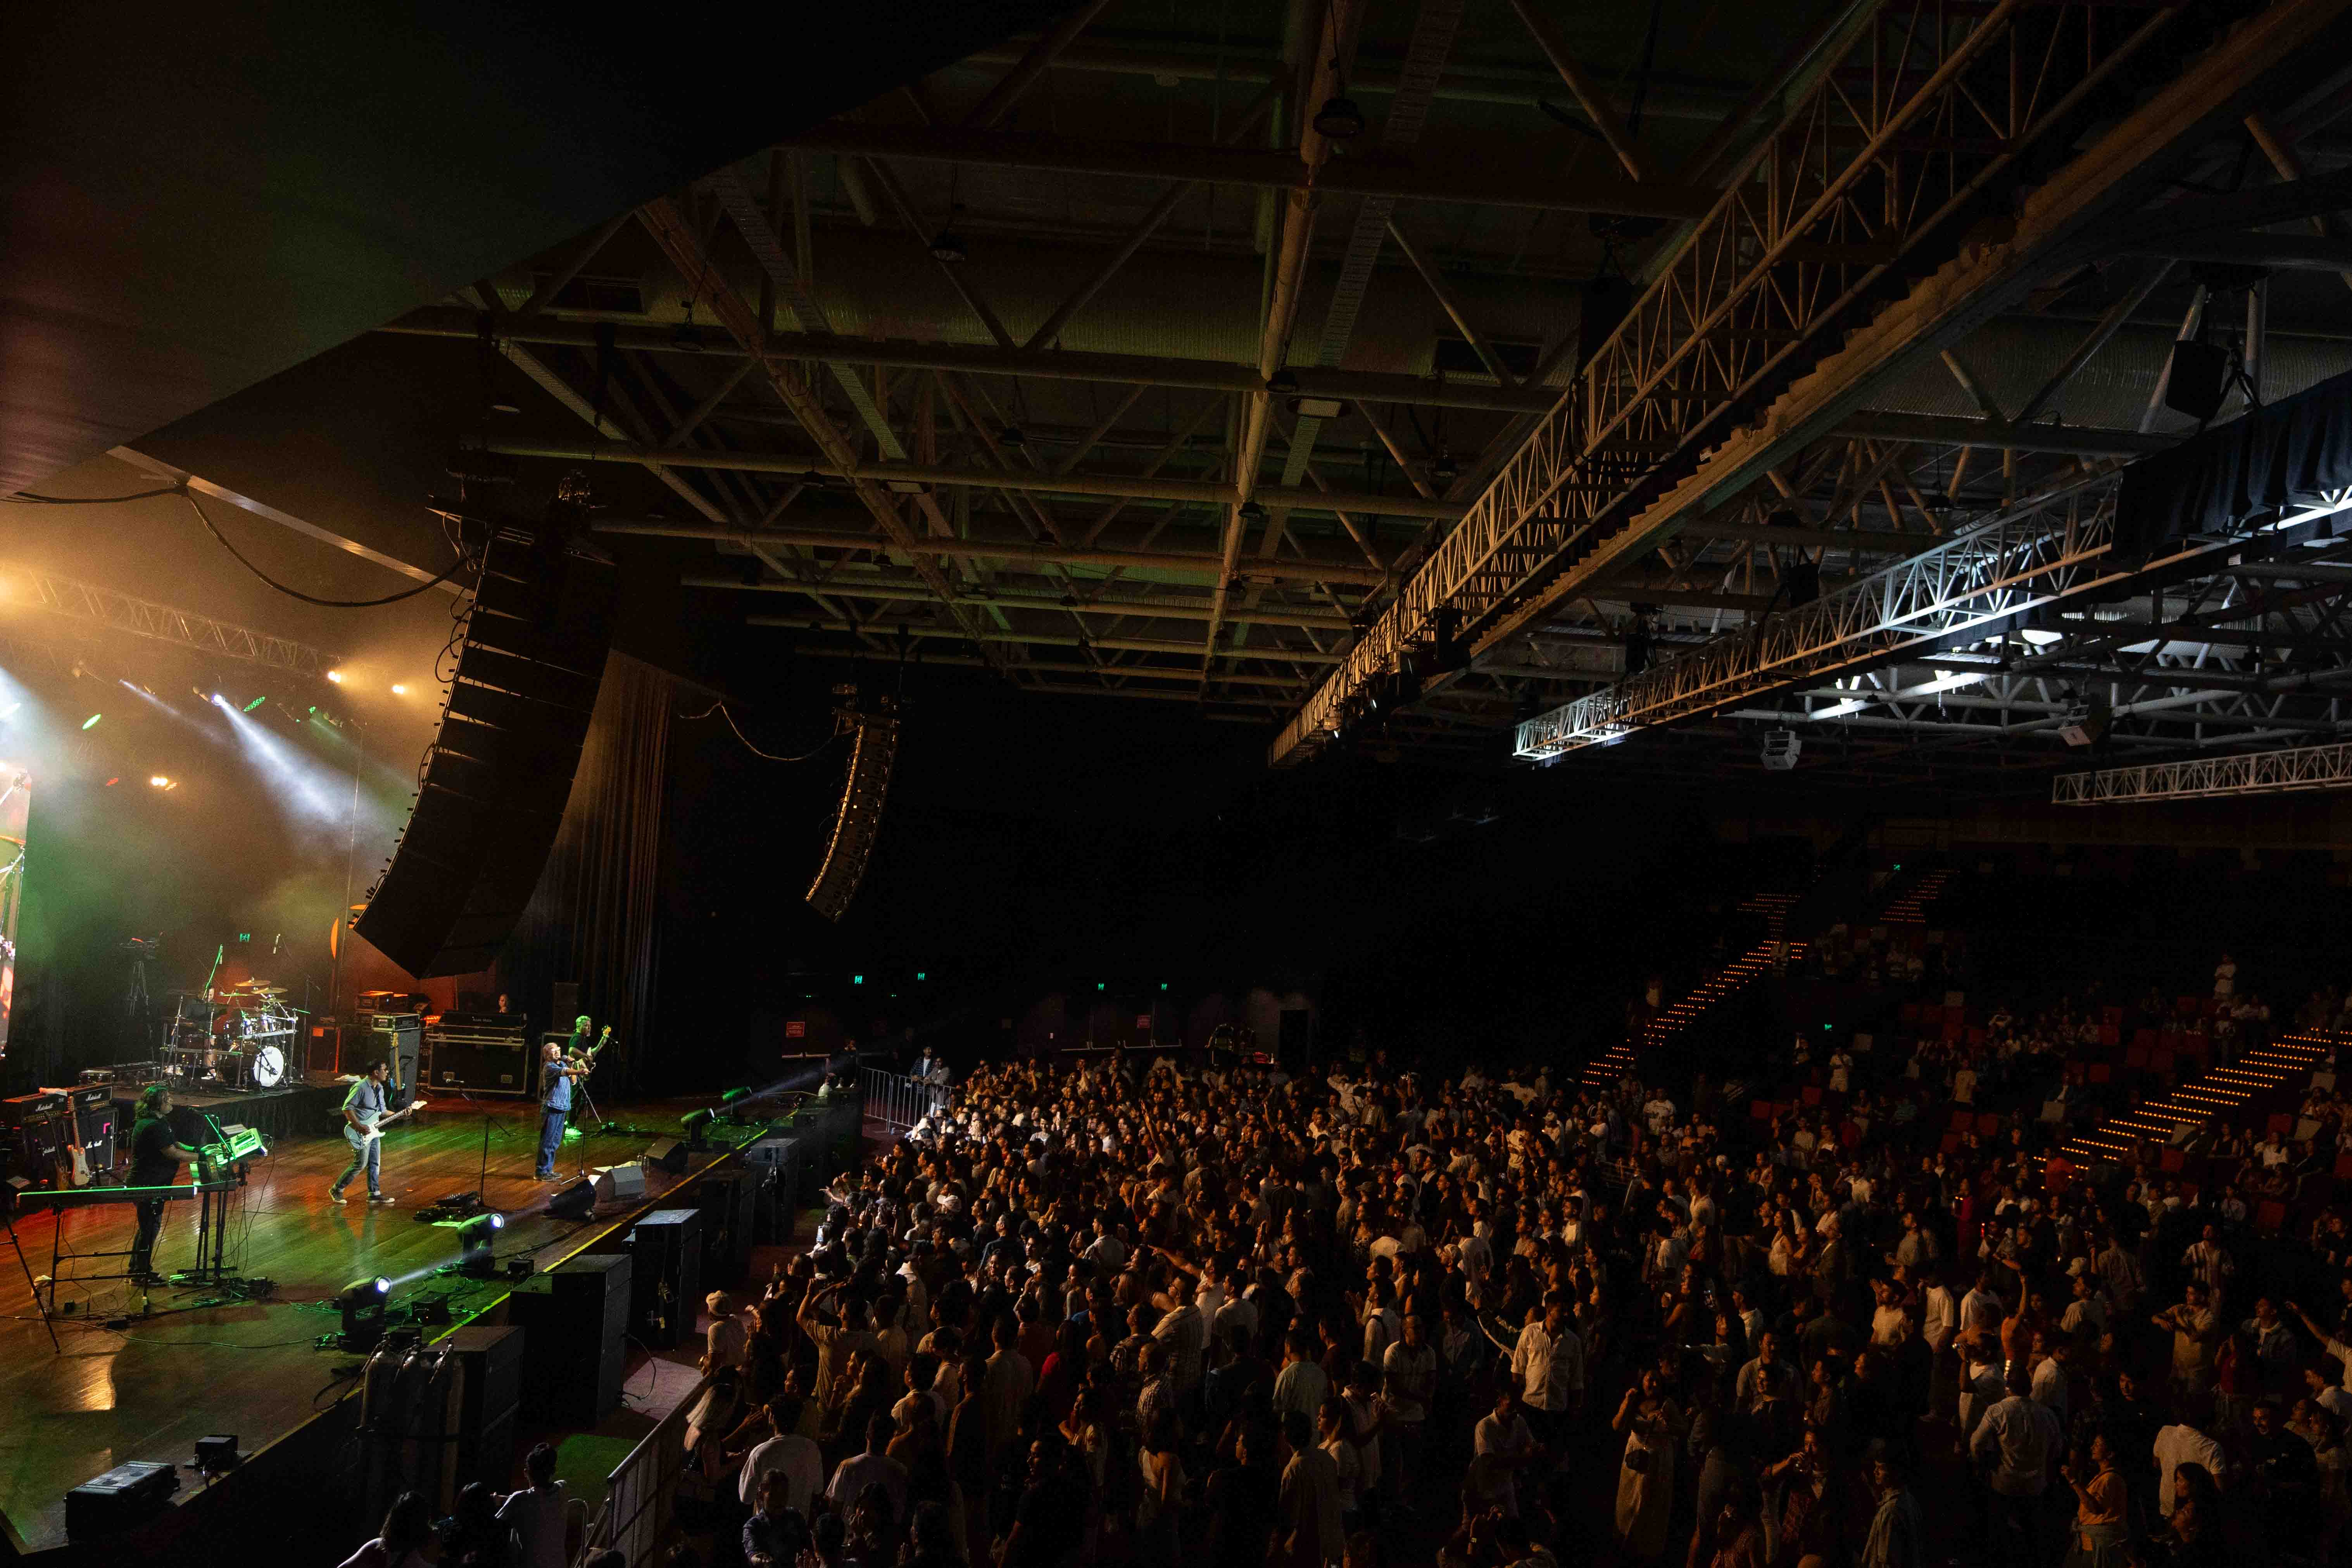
2224 1089
1912 905
1613 1064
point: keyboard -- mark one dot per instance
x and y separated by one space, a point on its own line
84 1197
243 1144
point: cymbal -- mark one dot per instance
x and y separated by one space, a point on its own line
267 991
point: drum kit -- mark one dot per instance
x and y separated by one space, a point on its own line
240 1037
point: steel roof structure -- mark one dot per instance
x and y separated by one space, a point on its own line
1500 379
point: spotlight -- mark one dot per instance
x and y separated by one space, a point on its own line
1340 120
91 722
1445 471
159 781
697 1125
1281 382
362 1305
1781 750
336 676
398 690
476 1238
948 245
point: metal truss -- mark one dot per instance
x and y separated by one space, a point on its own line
2247 772
94 606
1868 177
1977 580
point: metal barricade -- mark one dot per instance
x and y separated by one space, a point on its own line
893 1101
641 1493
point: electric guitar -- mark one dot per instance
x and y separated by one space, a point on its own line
361 1137
582 1066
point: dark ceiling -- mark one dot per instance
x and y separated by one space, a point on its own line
199 195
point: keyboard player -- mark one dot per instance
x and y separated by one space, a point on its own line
156 1156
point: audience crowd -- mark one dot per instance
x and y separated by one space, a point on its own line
1137 1310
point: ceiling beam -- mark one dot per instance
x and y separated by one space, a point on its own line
1207 492
1529 174
1053 639
1282 569
2288 252
1052 365
1957 430
910 590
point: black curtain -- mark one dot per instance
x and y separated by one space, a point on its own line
593 917
2272 459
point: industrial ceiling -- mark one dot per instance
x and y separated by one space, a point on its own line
1438 377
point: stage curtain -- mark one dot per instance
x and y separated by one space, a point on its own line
2265 462
592 917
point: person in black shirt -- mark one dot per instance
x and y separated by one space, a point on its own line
156 1155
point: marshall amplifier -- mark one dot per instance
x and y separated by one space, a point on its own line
480 1052
93 1121
35 1129
398 1038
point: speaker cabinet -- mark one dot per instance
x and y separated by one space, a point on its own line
492 1359
574 1320
577 1201
667 1294
669 1155
728 1225
621 1183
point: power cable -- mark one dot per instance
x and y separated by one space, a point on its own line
721 710
26 497
433 582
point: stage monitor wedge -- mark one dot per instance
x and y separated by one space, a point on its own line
501 769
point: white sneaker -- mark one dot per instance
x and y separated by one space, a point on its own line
380 1197
335 1194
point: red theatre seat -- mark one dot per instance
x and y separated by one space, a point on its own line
2269 1215
2171 1162
1988 1125
2100 1072
1963 1119
2136 1057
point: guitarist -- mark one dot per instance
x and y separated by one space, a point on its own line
557 1067
366 1112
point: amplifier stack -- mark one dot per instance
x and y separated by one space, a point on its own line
480 1053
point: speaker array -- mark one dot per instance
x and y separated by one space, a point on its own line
502 765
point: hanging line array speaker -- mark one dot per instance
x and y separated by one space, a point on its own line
500 769
859 819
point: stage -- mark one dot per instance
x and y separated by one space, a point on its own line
141 1375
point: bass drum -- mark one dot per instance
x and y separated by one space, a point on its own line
269 1065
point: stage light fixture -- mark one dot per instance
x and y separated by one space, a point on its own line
159 781
336 676
362 1305
857 980
398 690
91 722
1340 120
696 1126
1782 748
255 703
476 1239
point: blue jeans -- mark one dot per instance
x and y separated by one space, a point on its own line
365 1151
550 1138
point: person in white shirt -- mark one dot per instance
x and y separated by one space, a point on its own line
2183 1443
2225 976
785 1452
1502 1446
536 1514
1548 1361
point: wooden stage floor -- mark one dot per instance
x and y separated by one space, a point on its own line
180 1363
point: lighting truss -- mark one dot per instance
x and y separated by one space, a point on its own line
1979 578
1867 177
2246 773
94 606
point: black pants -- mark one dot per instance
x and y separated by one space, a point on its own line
151 1225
